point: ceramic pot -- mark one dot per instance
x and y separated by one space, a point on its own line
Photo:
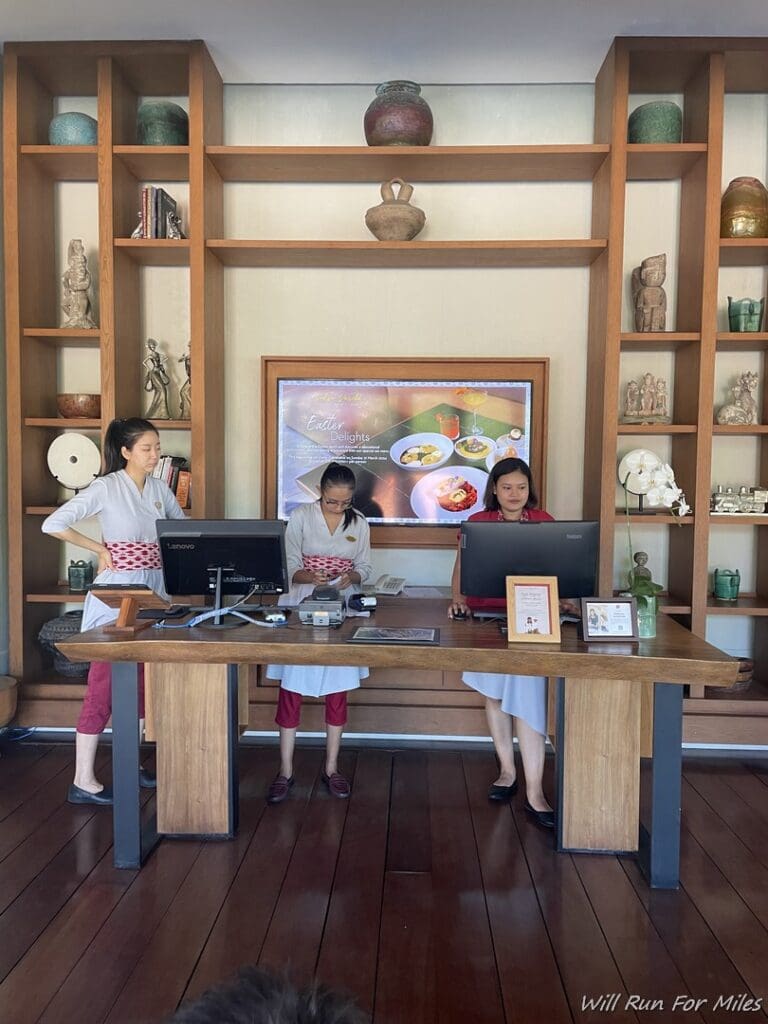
726 584
76 406
162 123
394 219
745 314
744 209
56 630
658 121
73 129
398 116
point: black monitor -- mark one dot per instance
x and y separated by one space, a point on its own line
492 551
223 556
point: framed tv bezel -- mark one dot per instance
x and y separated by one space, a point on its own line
342 368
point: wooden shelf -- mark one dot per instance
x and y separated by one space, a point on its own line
662 162
156 252
651 342
746 604
172 424
65 337
62 423
539 253
64 163
733 702
737 430
651 518
737 519
743 252
743 341
59 594
414 163
155 163
657 428
40 510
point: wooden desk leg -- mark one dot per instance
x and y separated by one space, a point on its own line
659 855
130 847
598 751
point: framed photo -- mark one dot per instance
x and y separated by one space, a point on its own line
613 618
533 610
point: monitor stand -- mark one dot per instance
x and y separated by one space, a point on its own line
223 618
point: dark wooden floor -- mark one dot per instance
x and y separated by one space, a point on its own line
417 896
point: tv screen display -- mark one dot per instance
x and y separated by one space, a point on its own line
421 450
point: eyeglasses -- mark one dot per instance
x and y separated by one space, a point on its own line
337 504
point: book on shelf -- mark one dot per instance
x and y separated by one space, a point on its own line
184 488
156 205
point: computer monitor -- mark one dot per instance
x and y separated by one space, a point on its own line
492 551
214 557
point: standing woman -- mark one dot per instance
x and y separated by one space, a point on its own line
128 501
510 498
324 541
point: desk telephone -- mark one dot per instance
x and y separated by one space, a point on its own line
390 585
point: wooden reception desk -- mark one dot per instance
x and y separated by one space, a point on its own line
601 688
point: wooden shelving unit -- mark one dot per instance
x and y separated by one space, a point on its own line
703 71
118 75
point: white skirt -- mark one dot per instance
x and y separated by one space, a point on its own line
314 680
522 696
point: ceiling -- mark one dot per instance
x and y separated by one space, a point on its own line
362 41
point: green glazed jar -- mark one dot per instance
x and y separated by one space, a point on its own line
647 609
658 121
162 123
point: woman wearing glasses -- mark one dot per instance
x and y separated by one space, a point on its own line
326 541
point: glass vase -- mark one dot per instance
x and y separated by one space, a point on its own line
647 608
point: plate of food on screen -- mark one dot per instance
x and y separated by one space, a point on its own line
508 446
475 447
421 451
449 495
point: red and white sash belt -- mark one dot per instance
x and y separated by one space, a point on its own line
134 554
328 563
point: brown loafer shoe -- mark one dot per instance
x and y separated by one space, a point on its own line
337 785
278 791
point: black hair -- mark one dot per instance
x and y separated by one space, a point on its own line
504 466
338 475
123 434
256 996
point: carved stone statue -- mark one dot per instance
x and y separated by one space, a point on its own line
648 297
156 381
646 400
185 392
173 226
639 570
743 410
76 281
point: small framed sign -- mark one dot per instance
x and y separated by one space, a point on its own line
613 618
533 614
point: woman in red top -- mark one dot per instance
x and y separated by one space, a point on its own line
510 497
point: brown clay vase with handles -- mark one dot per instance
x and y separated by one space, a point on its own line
394 219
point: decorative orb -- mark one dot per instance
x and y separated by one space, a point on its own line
73 129
79 406
162 123
657 121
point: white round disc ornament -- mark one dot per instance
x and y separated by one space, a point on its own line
74 460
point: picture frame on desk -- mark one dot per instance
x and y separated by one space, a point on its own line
609 618
533 615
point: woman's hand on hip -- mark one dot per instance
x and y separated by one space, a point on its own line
105 560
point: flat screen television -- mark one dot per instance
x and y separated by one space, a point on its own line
492 551
214 557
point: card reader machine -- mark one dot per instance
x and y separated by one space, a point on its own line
323 607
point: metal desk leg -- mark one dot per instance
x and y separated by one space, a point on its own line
659 854
559 759
234 739
130 847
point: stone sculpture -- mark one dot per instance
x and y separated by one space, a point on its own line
648 297
76 281
185 392
156 381
742 411
645 400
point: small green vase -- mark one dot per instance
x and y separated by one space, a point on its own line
647 609
658 121
162 123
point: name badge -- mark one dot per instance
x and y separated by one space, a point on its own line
159 505
350 538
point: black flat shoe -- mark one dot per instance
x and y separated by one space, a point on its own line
502 794
82 796
544 818
147 779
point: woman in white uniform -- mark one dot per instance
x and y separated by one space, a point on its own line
128 501
325 541
510 497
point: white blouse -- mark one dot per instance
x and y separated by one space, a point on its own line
125 514
307 533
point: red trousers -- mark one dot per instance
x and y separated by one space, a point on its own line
289 709
97 706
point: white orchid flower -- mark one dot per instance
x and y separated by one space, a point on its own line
665 474
683 508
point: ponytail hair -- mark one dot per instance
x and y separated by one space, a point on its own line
338 475
123 434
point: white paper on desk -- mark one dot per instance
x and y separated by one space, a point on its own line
426 592
362 614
